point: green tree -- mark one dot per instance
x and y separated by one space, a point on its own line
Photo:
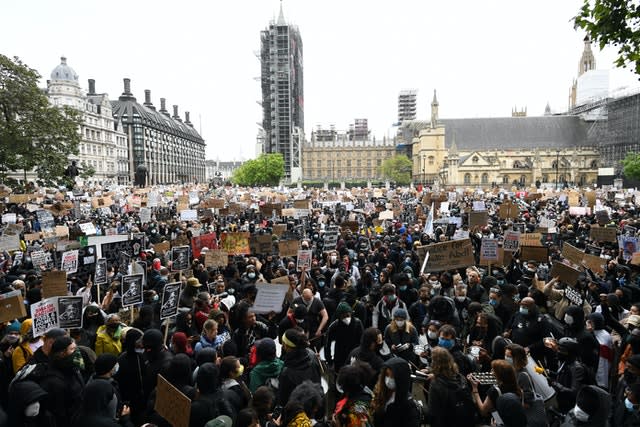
268 169
397 169
615 23
631 166
34 135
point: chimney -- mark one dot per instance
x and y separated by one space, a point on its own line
147 100
92 87
127 95
186 119
175 113
163 106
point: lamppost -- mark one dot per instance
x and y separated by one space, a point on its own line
557 166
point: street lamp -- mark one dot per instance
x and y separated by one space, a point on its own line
557 166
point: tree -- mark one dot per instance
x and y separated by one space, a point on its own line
34 135
615 23
268 169
397 169
631 166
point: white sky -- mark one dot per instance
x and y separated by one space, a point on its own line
483 58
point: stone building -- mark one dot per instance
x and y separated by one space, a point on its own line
103 140
171 149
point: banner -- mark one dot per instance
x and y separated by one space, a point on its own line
170 299
235 243
204 241
270 297
70 312
131 290
449 255
45 316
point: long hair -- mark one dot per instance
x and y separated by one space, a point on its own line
506 377
380 393
442 363
519 356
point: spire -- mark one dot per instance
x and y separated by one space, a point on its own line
453 150
587 60
281 21
434 111
547 109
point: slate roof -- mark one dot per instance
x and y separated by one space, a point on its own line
129 107
510 132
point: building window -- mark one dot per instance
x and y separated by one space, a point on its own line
432 160
475 159
594 164
523 180
505 179
554 164
467 178
485 178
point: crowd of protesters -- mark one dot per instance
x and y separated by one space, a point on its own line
366 335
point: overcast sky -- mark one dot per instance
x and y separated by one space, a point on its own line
483 58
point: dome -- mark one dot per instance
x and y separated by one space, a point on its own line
64 72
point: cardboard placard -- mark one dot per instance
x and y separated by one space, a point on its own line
530 239
489 249
171 404
354 226
261 244
288 247
216 258
214 203
304 260
12 306
534 253
572 253
504 258
603 234
448 255
594 263
270 297
566 273
508 211
478 218
301 204
235 243
9 243
162 247
32 237
279 229
54 284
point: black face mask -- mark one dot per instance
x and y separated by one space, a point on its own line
65 363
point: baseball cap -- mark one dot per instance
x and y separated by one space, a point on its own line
55 333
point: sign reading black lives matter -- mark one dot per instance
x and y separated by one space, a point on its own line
170 299
131 290
100 276
70 312
180 257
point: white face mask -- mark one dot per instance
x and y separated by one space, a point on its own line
32 410
568 319
433 282
580 414
333 259
390 383
339 389
115 369
140 350
432 335
400 323
461 299
346 321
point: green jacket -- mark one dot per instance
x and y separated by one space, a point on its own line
263 371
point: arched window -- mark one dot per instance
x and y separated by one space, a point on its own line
516 164
594 164
523 180
554 164
467 178
485 178
505 179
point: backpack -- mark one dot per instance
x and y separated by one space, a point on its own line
462 406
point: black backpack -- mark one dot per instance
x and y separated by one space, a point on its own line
462 406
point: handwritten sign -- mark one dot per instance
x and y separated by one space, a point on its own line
530 239
594 263
572 253
261 244
270 298
216 258
288 247
11 306
534 253
235 243
54 283
449 255
508 211
603 234
566 273
478 218
489 249
171 404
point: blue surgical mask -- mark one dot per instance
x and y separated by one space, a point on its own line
509 360
524 310
500 282
321 283
155 298
628 404
403 287
493 302
445 343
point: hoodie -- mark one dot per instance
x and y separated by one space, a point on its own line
589 347
599 419
403 411
263 371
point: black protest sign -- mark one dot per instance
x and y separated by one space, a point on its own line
170 299
573 296
70 312
180 258
100 276
118 253
131 290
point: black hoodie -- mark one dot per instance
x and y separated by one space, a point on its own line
300 364
589 347
403 411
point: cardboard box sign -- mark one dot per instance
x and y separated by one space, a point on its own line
447 255
216 258
478 218
54 284
12 306
603 234
288 247
171 404
530 239
566 273
572 253
534 253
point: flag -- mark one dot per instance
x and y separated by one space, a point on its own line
428 226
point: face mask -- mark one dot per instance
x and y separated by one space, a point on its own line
433 282
339 389
390 383
251 275
300 322
500 282
568 319
580 414
155 298
139 350
509 360
628 404
346 321
391 298
524 310
445 343
321 283
239 372
403 288
333 259
115 369
400 323
432 335
493 302
461 299
32 410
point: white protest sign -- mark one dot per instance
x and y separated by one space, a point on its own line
511 241
478 205
88 228
45 316
444 207
270 298
189 215
9 243
70 261
145 215
9 218
489 249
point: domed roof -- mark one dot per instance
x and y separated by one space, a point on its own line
64 72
